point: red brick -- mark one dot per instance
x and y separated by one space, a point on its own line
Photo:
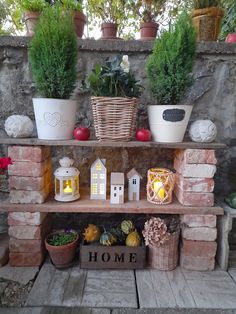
26 259
25 218
26 246
29 153
194 199
199 233
194 170
29 197
199 248
197 263
194 184
199 220
29 168
30 183
196 156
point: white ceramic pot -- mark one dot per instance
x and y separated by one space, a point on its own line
55 118
168 123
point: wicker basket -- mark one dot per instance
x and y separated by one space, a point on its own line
165 257
114 118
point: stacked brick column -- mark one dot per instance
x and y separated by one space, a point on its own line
30 181
30 176
194 187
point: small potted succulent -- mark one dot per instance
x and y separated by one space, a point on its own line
162 238
53 59
207 16
61 246
114 101
169 69
32 10
110 12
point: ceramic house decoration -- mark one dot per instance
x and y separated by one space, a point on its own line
117 188
98 180
134 185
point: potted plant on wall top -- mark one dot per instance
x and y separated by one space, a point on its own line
169 75
53 60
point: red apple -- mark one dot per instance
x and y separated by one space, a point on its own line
81 133
143 135
231 38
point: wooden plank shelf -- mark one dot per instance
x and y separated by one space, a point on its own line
104 144
85 205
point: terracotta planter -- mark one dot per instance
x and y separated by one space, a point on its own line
62 256
207 23
148 31
31 20
109 30
80 21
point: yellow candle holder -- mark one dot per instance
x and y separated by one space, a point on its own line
160 185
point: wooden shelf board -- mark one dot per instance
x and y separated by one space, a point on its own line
85 205
95 143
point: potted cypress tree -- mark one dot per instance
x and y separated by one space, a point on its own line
169 75
53 59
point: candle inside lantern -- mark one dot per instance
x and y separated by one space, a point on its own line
159 189
68 188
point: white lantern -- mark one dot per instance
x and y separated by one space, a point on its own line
66 181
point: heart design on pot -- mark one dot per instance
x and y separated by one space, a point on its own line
52 119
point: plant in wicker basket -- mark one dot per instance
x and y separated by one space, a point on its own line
162 239
114 101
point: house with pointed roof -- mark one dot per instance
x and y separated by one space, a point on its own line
98 180
134 185
117 188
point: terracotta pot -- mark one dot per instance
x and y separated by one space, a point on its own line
31 20
80 21
207 23
148 31
109 30
62 256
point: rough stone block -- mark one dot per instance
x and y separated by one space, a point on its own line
194 170
199 248
29 168
196 156
197 263
30 183
29 197
26 259
194 199
199 220
26 246
29 153
199 233
194 184
23 219
4 249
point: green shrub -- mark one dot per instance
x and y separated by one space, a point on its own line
53 54
170 64
72 5
201 4
33 5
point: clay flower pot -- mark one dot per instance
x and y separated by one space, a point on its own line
31 20
109 30
148 31
80 21
62 256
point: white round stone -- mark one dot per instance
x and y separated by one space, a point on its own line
19 126
203 131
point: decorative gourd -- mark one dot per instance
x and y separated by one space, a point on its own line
108 239
231 200
133 239
92 233
127 226
119 234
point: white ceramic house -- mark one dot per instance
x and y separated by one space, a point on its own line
117 188
134 185
98 180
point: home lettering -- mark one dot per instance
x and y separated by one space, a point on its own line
112 257
106 257
119 258
93 256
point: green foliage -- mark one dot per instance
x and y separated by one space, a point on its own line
33 5
62 238
53 54
108 10
169 66
10 17
229 22
72 5
201 4
110 80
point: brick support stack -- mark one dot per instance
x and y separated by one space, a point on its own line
30 176
27 232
